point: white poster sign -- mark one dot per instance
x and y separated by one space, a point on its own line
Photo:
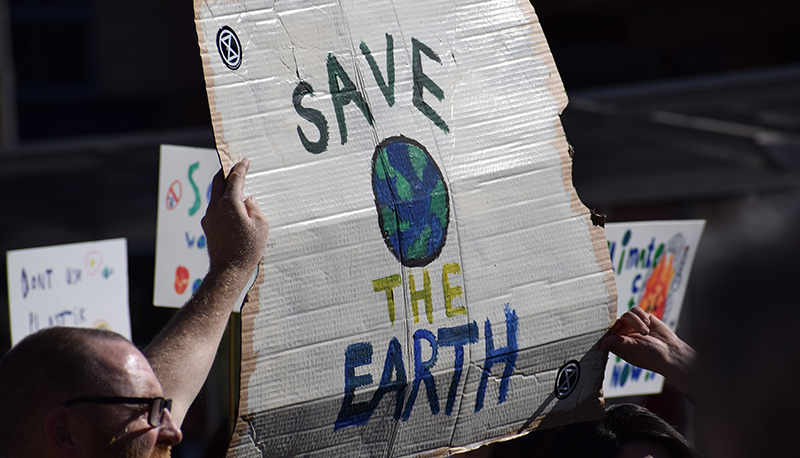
184 188
652 261
79 285
432 281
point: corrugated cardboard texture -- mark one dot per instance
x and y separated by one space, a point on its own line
506 281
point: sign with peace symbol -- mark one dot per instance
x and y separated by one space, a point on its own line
567 379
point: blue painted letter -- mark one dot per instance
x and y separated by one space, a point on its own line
360 412
457 336
355 413
394 363
507 355
422 372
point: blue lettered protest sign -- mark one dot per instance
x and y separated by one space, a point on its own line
432 281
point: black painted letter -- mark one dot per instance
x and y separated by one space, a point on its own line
315 116
345 95
387 89
421 81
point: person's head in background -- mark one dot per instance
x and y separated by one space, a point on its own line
627 431
57 390
745 323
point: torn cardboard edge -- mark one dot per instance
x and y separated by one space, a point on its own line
596 231
216 117
251 306
542 422
565 151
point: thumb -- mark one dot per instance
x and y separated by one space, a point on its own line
610 342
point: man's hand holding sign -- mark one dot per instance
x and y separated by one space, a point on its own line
182 354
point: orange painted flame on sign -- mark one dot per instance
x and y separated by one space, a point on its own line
655 293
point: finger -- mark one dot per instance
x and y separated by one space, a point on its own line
644 316
616 327
235 185
659 326
634 321
217 186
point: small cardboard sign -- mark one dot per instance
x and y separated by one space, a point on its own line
184 188
652 262
80 285
432 281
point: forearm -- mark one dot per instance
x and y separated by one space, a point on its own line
236 232
679 371
183 352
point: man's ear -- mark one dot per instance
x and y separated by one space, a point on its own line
63 432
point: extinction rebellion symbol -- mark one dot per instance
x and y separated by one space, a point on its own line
567 379
229 47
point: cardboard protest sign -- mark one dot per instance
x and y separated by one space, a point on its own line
80 285
184 187
652 262
432 280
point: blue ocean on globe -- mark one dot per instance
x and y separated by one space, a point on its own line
411 199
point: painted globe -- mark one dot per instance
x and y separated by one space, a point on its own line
411 199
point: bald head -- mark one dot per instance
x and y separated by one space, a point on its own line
46 369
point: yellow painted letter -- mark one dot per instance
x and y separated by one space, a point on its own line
451 292
387 284
424 293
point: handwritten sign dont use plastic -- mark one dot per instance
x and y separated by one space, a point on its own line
432 281
78 285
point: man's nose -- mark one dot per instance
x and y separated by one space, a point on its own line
169 433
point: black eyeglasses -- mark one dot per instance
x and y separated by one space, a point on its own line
155 414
